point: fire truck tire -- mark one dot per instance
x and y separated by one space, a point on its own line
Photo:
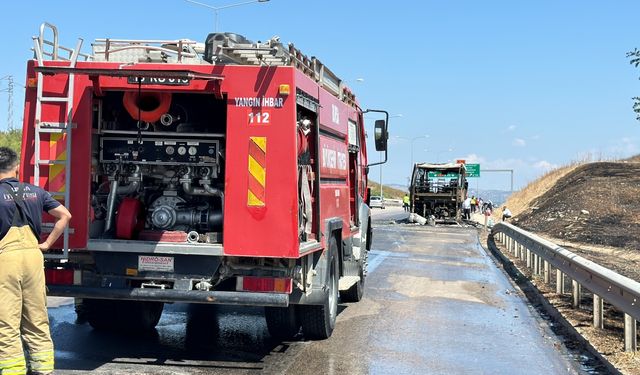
128 316
282 322
318 321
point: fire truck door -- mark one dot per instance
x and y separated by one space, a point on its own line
353 172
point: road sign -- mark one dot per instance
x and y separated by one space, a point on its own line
473 170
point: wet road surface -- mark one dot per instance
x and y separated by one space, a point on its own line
434 303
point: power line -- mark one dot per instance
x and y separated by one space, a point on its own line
9 90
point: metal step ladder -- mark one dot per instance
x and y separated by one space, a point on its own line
47 127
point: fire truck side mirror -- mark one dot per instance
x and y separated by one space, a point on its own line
381 135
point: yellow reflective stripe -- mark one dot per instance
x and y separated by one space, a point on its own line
260 142
46 353
252 200
45 369
42 361
15 359
257 170
16 365
16 371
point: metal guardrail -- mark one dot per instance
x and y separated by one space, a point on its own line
540 255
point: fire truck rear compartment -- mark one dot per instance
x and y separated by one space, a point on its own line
158 167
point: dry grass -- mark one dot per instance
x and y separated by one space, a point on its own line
522 200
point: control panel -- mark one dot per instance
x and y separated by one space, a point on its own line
159 151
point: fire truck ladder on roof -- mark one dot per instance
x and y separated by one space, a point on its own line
45 127
274 53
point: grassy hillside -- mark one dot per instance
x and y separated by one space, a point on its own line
520 201
387 192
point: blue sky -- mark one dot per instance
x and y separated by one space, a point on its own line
523 85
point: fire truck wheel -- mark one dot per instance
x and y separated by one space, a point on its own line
318 321
282 322
122 315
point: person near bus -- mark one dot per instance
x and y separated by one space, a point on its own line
405 202
23 311
466 209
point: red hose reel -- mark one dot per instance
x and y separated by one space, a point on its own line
129 219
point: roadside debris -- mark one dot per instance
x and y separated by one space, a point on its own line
415 218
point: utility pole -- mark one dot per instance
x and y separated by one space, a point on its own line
9 91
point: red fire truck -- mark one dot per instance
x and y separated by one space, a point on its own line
224 172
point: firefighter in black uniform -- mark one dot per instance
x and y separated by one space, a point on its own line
23 310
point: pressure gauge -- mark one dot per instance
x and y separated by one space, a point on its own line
182 150
193 151
170 150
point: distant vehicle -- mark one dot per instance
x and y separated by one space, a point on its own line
438 190
376 201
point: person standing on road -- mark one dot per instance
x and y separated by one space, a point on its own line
473 203
405 202
466 208
23 310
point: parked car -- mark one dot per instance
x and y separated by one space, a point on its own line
376 201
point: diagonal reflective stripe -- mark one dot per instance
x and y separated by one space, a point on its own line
257 153
257 170
256 188
252 200
260 142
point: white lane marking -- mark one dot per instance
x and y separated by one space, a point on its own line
375 258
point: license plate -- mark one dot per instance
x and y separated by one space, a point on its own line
155 263
159 81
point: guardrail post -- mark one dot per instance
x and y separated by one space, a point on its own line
576 293
547 272
630 334
517 250
559 281
598 313
523 253
528 258
540 263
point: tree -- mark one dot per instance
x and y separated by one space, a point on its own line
11 139
634 57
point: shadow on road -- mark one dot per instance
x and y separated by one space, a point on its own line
188 335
